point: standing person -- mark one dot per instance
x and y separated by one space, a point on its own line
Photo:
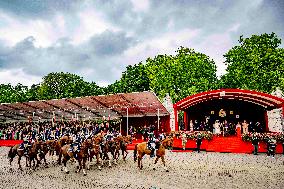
183 140
245 127
272 147
191 125
255 141
198 142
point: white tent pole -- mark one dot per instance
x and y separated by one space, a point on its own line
127 121
158 120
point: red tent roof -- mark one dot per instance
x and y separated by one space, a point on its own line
262 99
138 104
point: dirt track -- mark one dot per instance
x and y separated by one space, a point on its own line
187 170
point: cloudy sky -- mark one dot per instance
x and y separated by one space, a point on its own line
97 39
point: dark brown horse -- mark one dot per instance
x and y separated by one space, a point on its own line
121 144
109 147
42 151
142 149
31 155
82 156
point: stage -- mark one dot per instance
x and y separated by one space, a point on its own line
233 144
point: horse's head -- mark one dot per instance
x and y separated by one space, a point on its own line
168 142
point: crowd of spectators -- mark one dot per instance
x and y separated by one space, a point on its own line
18 130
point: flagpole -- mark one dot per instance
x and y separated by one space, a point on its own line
127 122
158 120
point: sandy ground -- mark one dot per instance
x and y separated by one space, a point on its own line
186 170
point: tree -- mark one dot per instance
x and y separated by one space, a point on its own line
134 79
65 85
256 64
10 94
184 74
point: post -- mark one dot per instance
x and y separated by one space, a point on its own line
158 121
176 119
127 121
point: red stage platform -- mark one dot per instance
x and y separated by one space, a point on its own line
232 144
217 144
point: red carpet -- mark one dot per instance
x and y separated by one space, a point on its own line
10 142
218 144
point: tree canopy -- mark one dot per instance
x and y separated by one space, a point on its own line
184 74
257 63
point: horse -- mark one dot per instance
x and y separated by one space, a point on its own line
31 155
109 147
121 144
43 150
96 152
82 156
15 150
66 140
141 149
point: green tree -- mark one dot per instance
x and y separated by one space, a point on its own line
257 63
10 94
65 85
184 74
134 79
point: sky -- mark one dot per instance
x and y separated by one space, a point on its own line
97 39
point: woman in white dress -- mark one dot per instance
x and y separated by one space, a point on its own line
217 127
191 125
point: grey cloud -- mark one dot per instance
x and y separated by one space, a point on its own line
109 43
63 56
37 8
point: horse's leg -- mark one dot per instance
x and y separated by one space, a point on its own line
108 158
78 165
114 159
19 162
163 160
65 159
157 158
44 159
84 166
10 161
59 158
140 165
99 161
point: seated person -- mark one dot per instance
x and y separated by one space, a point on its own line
25 145
75 146
152 144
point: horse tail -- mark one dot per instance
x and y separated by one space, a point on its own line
135 153
10 153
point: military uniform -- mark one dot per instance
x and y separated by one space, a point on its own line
151 144
255 141
76 143
25 145
198 142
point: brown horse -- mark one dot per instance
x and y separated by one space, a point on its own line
109 147
31 155
66 140
42 151
95 151
121 144
82 156
54 147
142 149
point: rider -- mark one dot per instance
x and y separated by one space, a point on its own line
151 143
25 145
76 143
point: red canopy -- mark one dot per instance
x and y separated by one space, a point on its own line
267 101
113 106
